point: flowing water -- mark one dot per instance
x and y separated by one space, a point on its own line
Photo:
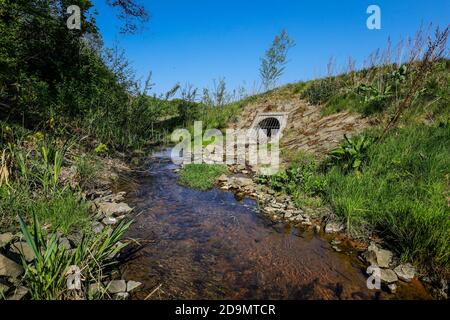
209 245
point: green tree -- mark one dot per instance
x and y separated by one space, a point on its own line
274 62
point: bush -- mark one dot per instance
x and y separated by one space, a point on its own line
320 91
352 153
301 180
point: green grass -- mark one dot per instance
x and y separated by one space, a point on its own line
65 212
45 276
401 194
201 176
62 211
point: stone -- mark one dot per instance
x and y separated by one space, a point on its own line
110 221
95 289
19 293
287 215
336 249
222 178
243 182
122 296
64 243
405 272
5 239
116 286
333 227
131 285
377 256
24 249
114 209
388 276
97 227
3 289
392 288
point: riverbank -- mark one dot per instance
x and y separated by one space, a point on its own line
62 222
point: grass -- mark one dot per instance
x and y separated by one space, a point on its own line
46 275
64 212
399 191
201 176
401 194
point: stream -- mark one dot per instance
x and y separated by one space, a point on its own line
210 245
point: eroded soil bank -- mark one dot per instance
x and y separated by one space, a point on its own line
209 245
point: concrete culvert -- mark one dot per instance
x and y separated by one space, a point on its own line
271 126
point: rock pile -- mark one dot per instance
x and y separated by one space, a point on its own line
276 207
389 272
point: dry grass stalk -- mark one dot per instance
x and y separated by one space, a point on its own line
436 50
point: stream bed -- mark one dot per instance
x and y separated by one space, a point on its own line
209 245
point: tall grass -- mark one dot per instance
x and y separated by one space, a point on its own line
401 194
46 275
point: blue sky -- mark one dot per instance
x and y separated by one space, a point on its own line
200 40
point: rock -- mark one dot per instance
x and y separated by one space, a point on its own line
269 209
243 182
131 285
24 249
95 289
287 215
3 289
97 227
5 239
405 272
122 296
110 221
277 205
222 178
377 256
392 288
19 293
64 243
333 227
336 249
388 276
114 209
116 286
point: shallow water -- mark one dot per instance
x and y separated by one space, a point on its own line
208 245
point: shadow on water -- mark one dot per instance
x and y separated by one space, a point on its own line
208 245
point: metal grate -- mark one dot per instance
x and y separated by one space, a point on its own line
270 126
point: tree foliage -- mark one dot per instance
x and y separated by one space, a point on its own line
274 62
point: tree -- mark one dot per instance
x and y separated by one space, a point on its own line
274 62
131 12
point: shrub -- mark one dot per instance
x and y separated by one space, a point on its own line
320 91
301 179
352 154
